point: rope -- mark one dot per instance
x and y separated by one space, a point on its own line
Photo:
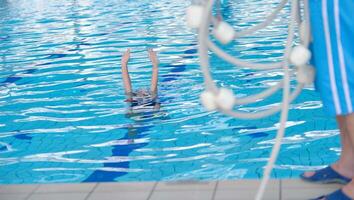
207 20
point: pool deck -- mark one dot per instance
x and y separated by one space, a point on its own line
278 189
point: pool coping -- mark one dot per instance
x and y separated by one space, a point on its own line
245 189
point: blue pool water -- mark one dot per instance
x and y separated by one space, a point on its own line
62 112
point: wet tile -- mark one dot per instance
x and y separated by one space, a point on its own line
121 195
294 189
298 183
15 189
58 196
182 194
246 194
67 188
13 196
186 185
119 187
304 193
246 184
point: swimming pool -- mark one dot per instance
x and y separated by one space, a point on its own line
62 111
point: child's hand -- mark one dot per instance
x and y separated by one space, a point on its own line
125 57
153 57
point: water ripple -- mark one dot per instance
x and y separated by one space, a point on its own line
63 115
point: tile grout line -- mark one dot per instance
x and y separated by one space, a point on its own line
280 189
215 189
31 193
152 191
93 189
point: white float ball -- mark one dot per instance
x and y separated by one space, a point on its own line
225 99
207 99
224 32
300 55
305 74
194 15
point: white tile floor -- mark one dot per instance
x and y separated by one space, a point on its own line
286 189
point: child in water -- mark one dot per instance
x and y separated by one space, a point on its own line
141 98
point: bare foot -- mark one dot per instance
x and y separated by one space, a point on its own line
344 170
309 174
336 167
349 189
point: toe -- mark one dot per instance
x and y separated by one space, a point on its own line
308 174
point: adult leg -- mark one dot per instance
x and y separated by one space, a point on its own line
125 73
155 71
344 165
349 188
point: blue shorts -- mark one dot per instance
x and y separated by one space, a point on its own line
332 26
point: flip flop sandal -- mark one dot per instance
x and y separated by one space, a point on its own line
337 195
326 175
